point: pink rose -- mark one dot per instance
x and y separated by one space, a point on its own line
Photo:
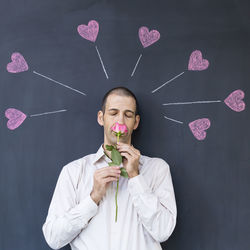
119 128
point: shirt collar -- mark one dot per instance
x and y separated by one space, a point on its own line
100 153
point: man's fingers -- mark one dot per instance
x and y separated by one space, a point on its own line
126 149
127 145
109 172
109 179
127 155
136 150
104 169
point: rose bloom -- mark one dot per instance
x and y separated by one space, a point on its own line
119 128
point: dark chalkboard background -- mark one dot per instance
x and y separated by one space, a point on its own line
211 177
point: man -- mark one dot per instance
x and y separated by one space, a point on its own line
82 209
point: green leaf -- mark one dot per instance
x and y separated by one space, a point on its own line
112 164
109 147
124 172
116 157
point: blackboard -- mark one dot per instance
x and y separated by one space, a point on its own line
210 174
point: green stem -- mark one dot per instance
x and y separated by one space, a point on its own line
116 200
116 206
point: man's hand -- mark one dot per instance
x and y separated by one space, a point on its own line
131 158
102 178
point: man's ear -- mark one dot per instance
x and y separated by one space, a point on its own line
100 117
137 121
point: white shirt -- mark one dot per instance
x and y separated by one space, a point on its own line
146 208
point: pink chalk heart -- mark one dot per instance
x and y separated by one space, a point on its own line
16 118
234 101
148 38
89 31
198 128
196 62
18 63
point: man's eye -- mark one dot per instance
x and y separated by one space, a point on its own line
113 114
129 116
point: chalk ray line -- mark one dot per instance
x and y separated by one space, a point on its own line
46 113
101 62
183 103
173 120
167 82
136 65
66 86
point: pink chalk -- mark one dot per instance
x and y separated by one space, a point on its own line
18 63
198 128
16 118
234 101
89 31
196 63
148 38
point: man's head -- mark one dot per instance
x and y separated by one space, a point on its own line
118 105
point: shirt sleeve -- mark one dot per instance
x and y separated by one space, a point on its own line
66 218
156 207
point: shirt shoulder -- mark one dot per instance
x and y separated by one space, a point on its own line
154 170
76 170
76 165
155 164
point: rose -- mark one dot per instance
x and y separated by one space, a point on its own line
119 130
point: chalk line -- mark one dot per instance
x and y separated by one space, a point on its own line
173 119
52 112
136 65
167 82
102 62
66 86
181 103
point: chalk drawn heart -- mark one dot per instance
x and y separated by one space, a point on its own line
234 101
198 128
16 118
196 62
148 38
89 31
18 63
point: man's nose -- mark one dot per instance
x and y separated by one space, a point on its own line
121 119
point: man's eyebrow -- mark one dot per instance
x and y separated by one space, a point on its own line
127 110
113 109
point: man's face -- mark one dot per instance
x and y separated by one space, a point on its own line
119 109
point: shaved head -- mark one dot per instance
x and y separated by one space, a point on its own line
122 91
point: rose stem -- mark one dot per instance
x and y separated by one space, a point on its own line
116 189
116 200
